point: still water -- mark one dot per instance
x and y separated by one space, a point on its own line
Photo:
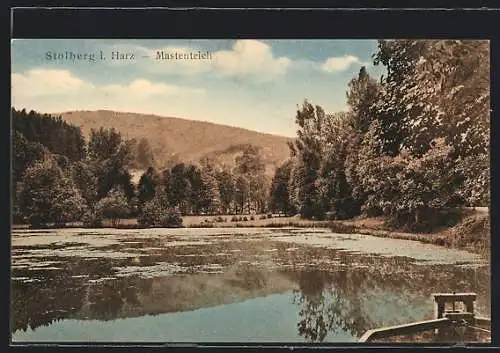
227 285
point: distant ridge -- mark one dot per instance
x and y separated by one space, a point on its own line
183 140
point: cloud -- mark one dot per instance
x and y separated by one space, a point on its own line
341 63
143 88
58 90
247 59
40 82
250 57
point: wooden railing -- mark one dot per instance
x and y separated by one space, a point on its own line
405 329
443 318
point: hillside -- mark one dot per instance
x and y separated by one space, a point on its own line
175 139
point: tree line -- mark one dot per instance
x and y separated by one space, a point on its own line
412 147
54 184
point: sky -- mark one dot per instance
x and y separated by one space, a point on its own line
253 84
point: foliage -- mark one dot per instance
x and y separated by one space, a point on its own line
279 194
227 189
147 185
144 156
210 195
307 152
48 196
110 155
157 212
413 148
251 181
92 219
114 206
84 177
25 153
52 132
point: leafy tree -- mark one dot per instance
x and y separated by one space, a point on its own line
147 185
144 154
227 189
241 194
47 195
336 193
111 155
86 181
400 58
279 194
158 212
53 132
114 206
211 192
307 151
179 187
250 167
25 153
362 95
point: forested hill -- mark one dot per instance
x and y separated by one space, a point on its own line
172 140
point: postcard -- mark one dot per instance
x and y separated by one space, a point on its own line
250 191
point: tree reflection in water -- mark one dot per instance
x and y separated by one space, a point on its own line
63 293
353 300
337 290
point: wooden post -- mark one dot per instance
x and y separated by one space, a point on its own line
469 305
439 310
442 298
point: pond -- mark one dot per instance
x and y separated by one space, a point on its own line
227 285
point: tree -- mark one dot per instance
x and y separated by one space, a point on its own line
147 186
158 212
307 152
25 153
250 167
400 58
279 194
144 154
241 193
362 95
179 187
227 189
211 192
114 206
86 181
111 155
440 89
47 195
53 132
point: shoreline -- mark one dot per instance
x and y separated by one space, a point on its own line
471 233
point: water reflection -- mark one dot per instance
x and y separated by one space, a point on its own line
333 291
366 298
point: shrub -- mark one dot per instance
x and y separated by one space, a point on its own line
47 195
263 217
114 206
245 219
342 228
252 218
234 219
158 213
171 218
92 219
269 215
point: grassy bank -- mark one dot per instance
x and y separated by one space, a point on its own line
472 233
